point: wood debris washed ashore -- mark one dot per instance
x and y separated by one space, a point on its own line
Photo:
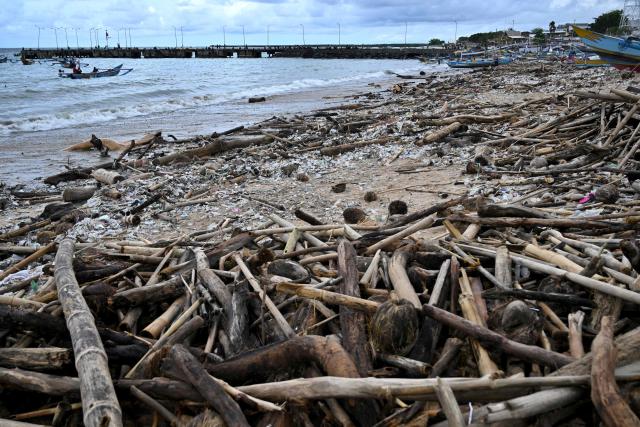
477 309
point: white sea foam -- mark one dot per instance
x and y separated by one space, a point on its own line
108 102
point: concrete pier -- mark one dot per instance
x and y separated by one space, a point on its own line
219 51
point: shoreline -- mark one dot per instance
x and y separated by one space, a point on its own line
40 152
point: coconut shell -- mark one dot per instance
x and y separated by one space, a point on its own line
370 196
354 215
398 207
607 193
394 327
339 188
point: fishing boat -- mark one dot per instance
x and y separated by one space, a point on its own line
3 59
478 63
26 61
110 72
623 54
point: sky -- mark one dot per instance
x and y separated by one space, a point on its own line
206 22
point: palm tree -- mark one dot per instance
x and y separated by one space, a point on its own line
552 27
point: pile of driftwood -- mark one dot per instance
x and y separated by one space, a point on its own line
468 311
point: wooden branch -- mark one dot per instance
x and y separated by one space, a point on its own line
282 323
605 394
354 336
400 279
488 337
420 225
575 334
193 372
155 405
47 358
99 402
217 146
440 133
283 356
328 297
449 404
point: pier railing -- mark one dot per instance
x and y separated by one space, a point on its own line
249 51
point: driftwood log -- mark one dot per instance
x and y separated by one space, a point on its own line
99 402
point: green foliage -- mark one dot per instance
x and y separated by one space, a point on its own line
436 42
607 22
483 38
538 36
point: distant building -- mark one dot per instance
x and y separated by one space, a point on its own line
517 36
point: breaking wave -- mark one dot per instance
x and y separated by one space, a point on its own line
109 102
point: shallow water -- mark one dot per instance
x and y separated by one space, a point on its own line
41 113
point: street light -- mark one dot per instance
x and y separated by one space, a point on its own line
224 35
66 36
125 36
97 36
244 39
39 28
55 31
303 41
181 37
77 41
455 38
405 33
130 42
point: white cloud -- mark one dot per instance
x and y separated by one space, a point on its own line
362 21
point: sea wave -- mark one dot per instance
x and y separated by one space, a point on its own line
162 100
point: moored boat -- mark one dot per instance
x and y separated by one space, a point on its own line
110 72
26 61
478 63
620 53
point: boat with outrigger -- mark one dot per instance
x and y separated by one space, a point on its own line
97 73
479 62
623 54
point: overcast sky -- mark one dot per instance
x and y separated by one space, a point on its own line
152 22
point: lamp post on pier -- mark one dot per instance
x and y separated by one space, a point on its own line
224 35
244 39
455 37
77 40
55 31
39 28
406 25
66 36
339 34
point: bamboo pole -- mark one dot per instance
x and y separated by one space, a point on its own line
99 402
420 225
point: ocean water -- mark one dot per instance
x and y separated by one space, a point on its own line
40 113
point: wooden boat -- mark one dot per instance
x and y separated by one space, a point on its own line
111 72
478 63
611 49
3 59
590 63
26 61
